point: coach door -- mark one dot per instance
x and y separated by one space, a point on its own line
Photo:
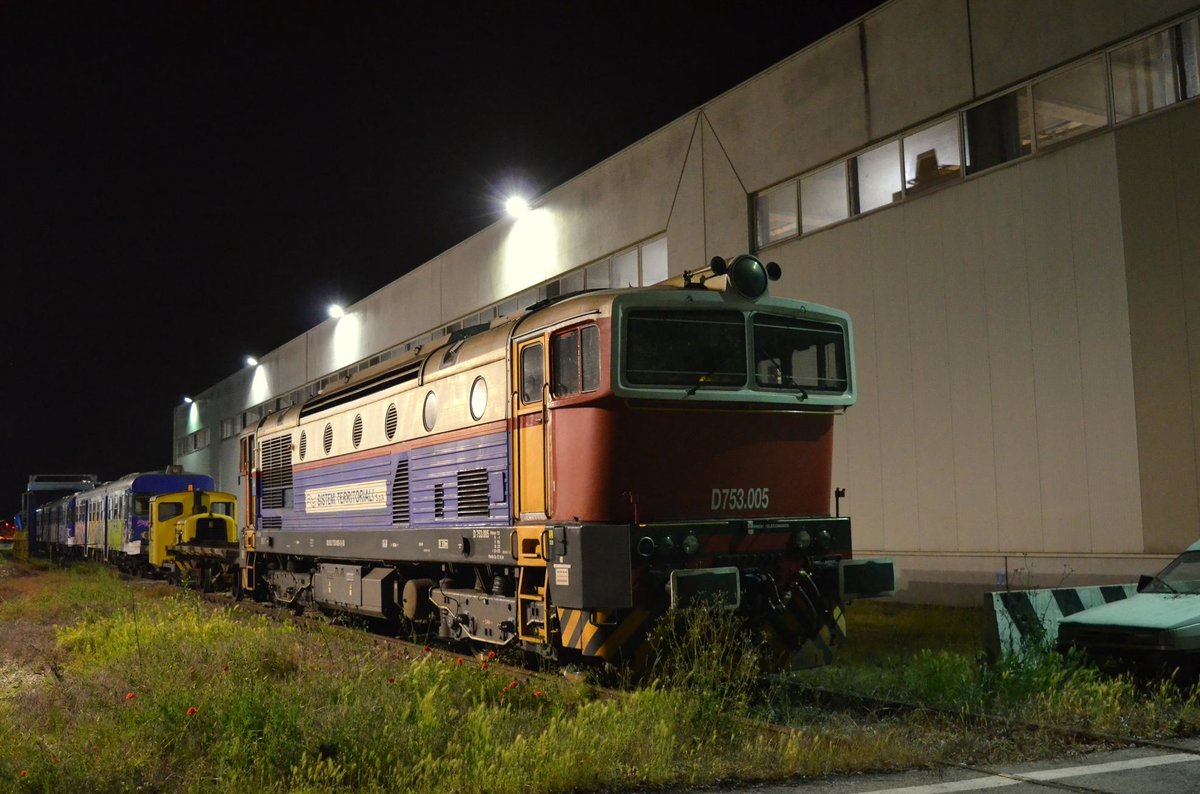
529 436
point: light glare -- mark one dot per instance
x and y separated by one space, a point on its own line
516 206
251 361
336 311
187 400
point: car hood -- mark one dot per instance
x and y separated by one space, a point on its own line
1143 610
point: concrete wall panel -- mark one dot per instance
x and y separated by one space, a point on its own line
918 62
685 227
970 390
1000 224
726 205
1105 358
1015 39
800 113
922 249
1184 128
1148 161
1058 388
893 364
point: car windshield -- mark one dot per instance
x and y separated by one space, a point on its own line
1182 575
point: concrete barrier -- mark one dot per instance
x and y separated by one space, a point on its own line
1018 619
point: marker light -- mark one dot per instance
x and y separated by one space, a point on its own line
516 206
251 361
336 311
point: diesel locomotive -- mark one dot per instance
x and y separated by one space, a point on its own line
554 481
559 479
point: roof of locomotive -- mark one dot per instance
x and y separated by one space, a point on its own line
472 347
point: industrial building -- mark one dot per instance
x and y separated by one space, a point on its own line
1005 196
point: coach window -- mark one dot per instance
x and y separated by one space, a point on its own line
533 374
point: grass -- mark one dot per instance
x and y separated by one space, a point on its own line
146 688
894 657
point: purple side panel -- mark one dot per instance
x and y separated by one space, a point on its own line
433 471
356 471
436 469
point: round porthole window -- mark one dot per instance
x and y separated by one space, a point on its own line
478 398
429 415
327 441
390 422
303 444
357 431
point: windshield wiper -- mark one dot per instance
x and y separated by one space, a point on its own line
692 391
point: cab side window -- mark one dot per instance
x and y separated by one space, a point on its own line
575 361
533 374
169 510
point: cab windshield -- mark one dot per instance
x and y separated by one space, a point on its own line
1182 575
699 349
686 348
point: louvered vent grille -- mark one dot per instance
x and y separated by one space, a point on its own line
473 492
271 523
400 494
391 421
303 444
439 501
357 431
327 440
276 470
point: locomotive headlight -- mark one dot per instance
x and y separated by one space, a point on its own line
691 544
825 537
802 539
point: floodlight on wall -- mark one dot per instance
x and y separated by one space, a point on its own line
516 206
336 311
251 361
187 400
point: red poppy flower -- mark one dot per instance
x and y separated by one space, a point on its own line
391 680
460 661
426 649
130 696
191 710
537 693
491 655
226 670
24 773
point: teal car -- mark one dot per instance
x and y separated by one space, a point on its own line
1154 632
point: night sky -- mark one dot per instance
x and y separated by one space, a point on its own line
183 184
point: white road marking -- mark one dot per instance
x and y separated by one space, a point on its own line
1016 778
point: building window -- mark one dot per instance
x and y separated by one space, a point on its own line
1189 56
932 157
599 275
625 269
824 198
226 428
776 212
998 131
1070 103
877 177
654 261
1143 76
